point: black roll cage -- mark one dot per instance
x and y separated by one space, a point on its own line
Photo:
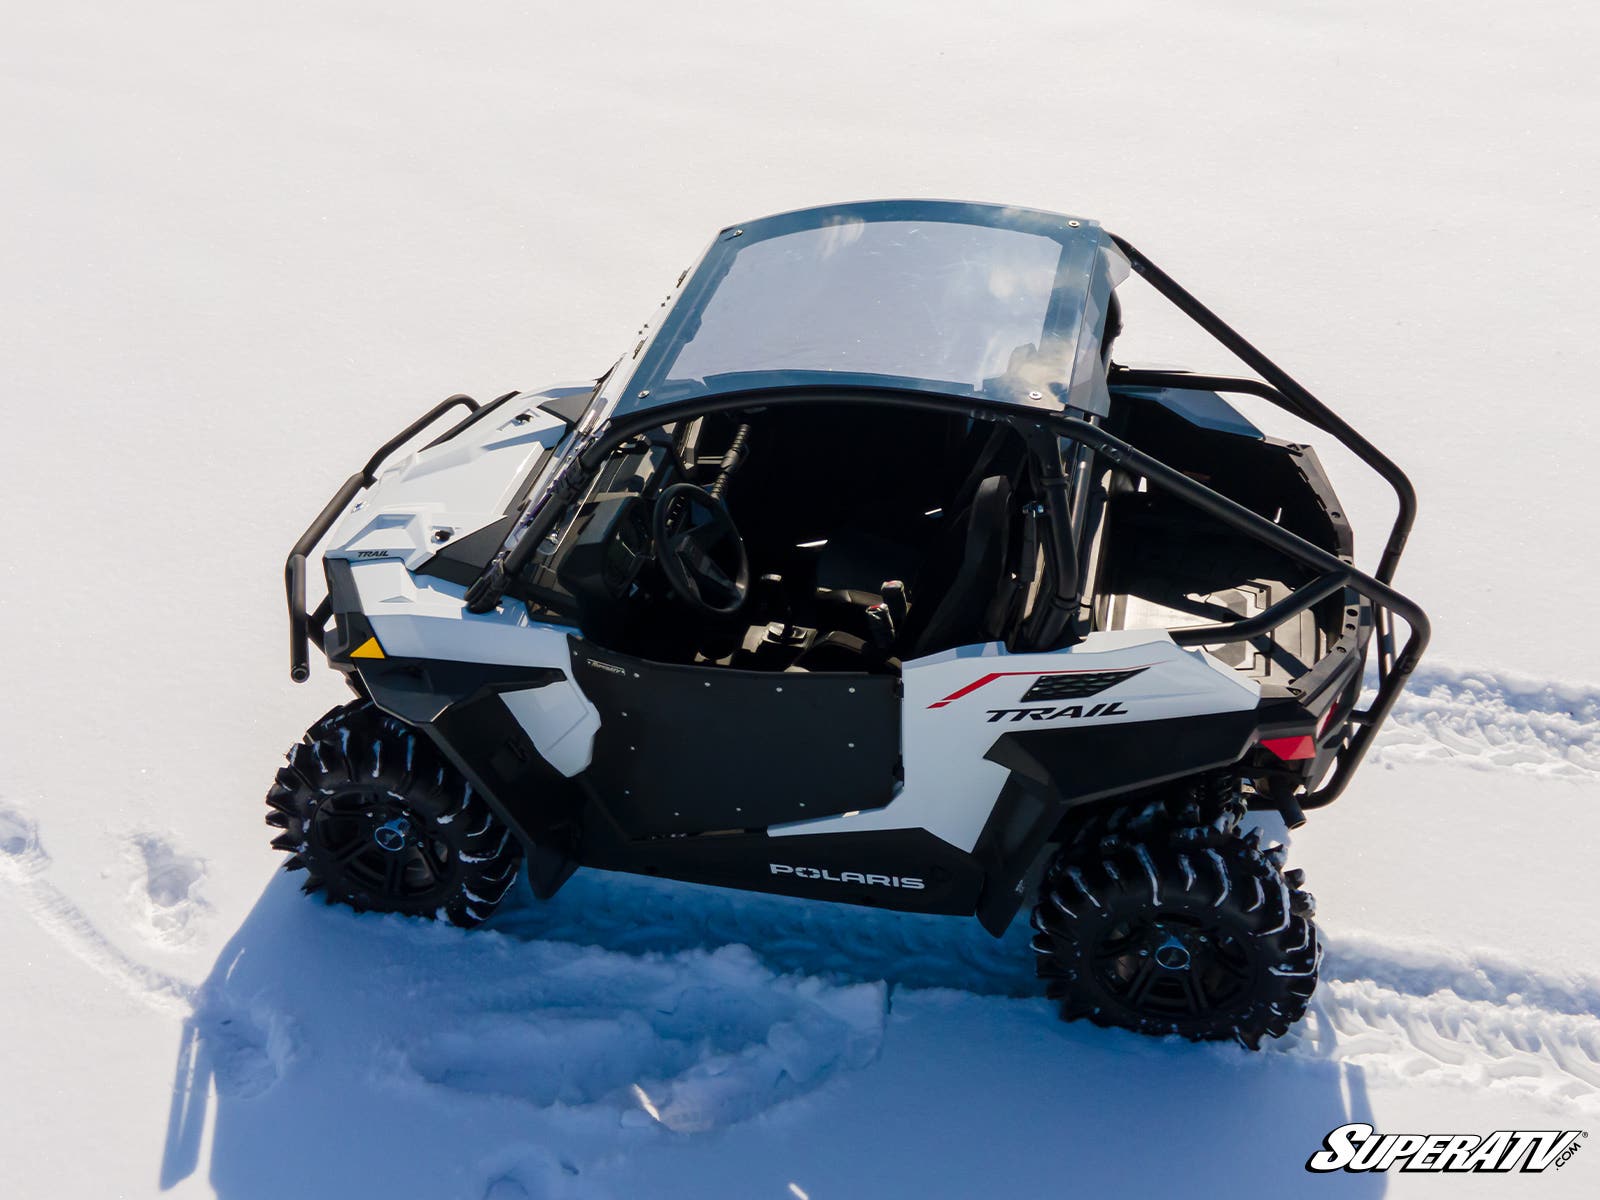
1332 573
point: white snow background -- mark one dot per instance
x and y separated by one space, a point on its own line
241 244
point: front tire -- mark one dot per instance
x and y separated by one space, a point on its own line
379 820
1204 937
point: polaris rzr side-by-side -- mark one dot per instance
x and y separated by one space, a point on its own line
867 575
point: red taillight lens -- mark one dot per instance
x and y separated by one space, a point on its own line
1292 749
1327 717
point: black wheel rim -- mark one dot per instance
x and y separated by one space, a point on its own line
1172 967
378 848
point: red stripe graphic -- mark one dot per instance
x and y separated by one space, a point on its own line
993 675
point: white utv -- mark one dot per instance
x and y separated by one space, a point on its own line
866 575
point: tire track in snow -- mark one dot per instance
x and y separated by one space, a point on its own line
1484 976
693 1042
1446 1038
1483 1019
1495 721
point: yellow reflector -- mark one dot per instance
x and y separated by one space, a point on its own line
368 649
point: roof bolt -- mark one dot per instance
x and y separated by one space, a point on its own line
1072 224
644 393
441 535
1035 395
522 418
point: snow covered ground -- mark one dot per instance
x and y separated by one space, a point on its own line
241 244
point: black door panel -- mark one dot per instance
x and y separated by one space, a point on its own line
689 749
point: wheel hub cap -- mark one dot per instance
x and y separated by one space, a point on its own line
393 834
1172 955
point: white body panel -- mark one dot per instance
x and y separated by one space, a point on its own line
460 486
417 616
948 724
560 722
455 488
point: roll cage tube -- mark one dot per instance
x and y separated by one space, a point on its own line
1331 572
1280 389
1283 391
294 570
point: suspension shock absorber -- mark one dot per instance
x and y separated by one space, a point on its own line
1221 804
731 460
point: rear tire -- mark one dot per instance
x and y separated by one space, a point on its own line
1200 936
380 820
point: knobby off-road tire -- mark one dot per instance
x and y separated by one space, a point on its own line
381 821
1201 935
1204 806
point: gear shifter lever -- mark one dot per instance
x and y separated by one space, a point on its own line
880 627
775 601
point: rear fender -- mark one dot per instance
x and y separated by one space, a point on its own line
1056 770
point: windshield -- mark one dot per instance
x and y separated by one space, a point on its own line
904 299
956 298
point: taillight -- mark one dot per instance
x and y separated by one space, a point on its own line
1322 722
1292 749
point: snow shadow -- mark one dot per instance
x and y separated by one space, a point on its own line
714 1045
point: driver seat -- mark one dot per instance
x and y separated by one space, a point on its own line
854 560
962 597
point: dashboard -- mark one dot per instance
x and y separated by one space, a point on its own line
627 546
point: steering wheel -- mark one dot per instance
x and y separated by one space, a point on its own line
700 550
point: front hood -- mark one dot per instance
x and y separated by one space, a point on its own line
439 494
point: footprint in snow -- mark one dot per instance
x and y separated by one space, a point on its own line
505 1187
19 840
23 863
166 890
250 1047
